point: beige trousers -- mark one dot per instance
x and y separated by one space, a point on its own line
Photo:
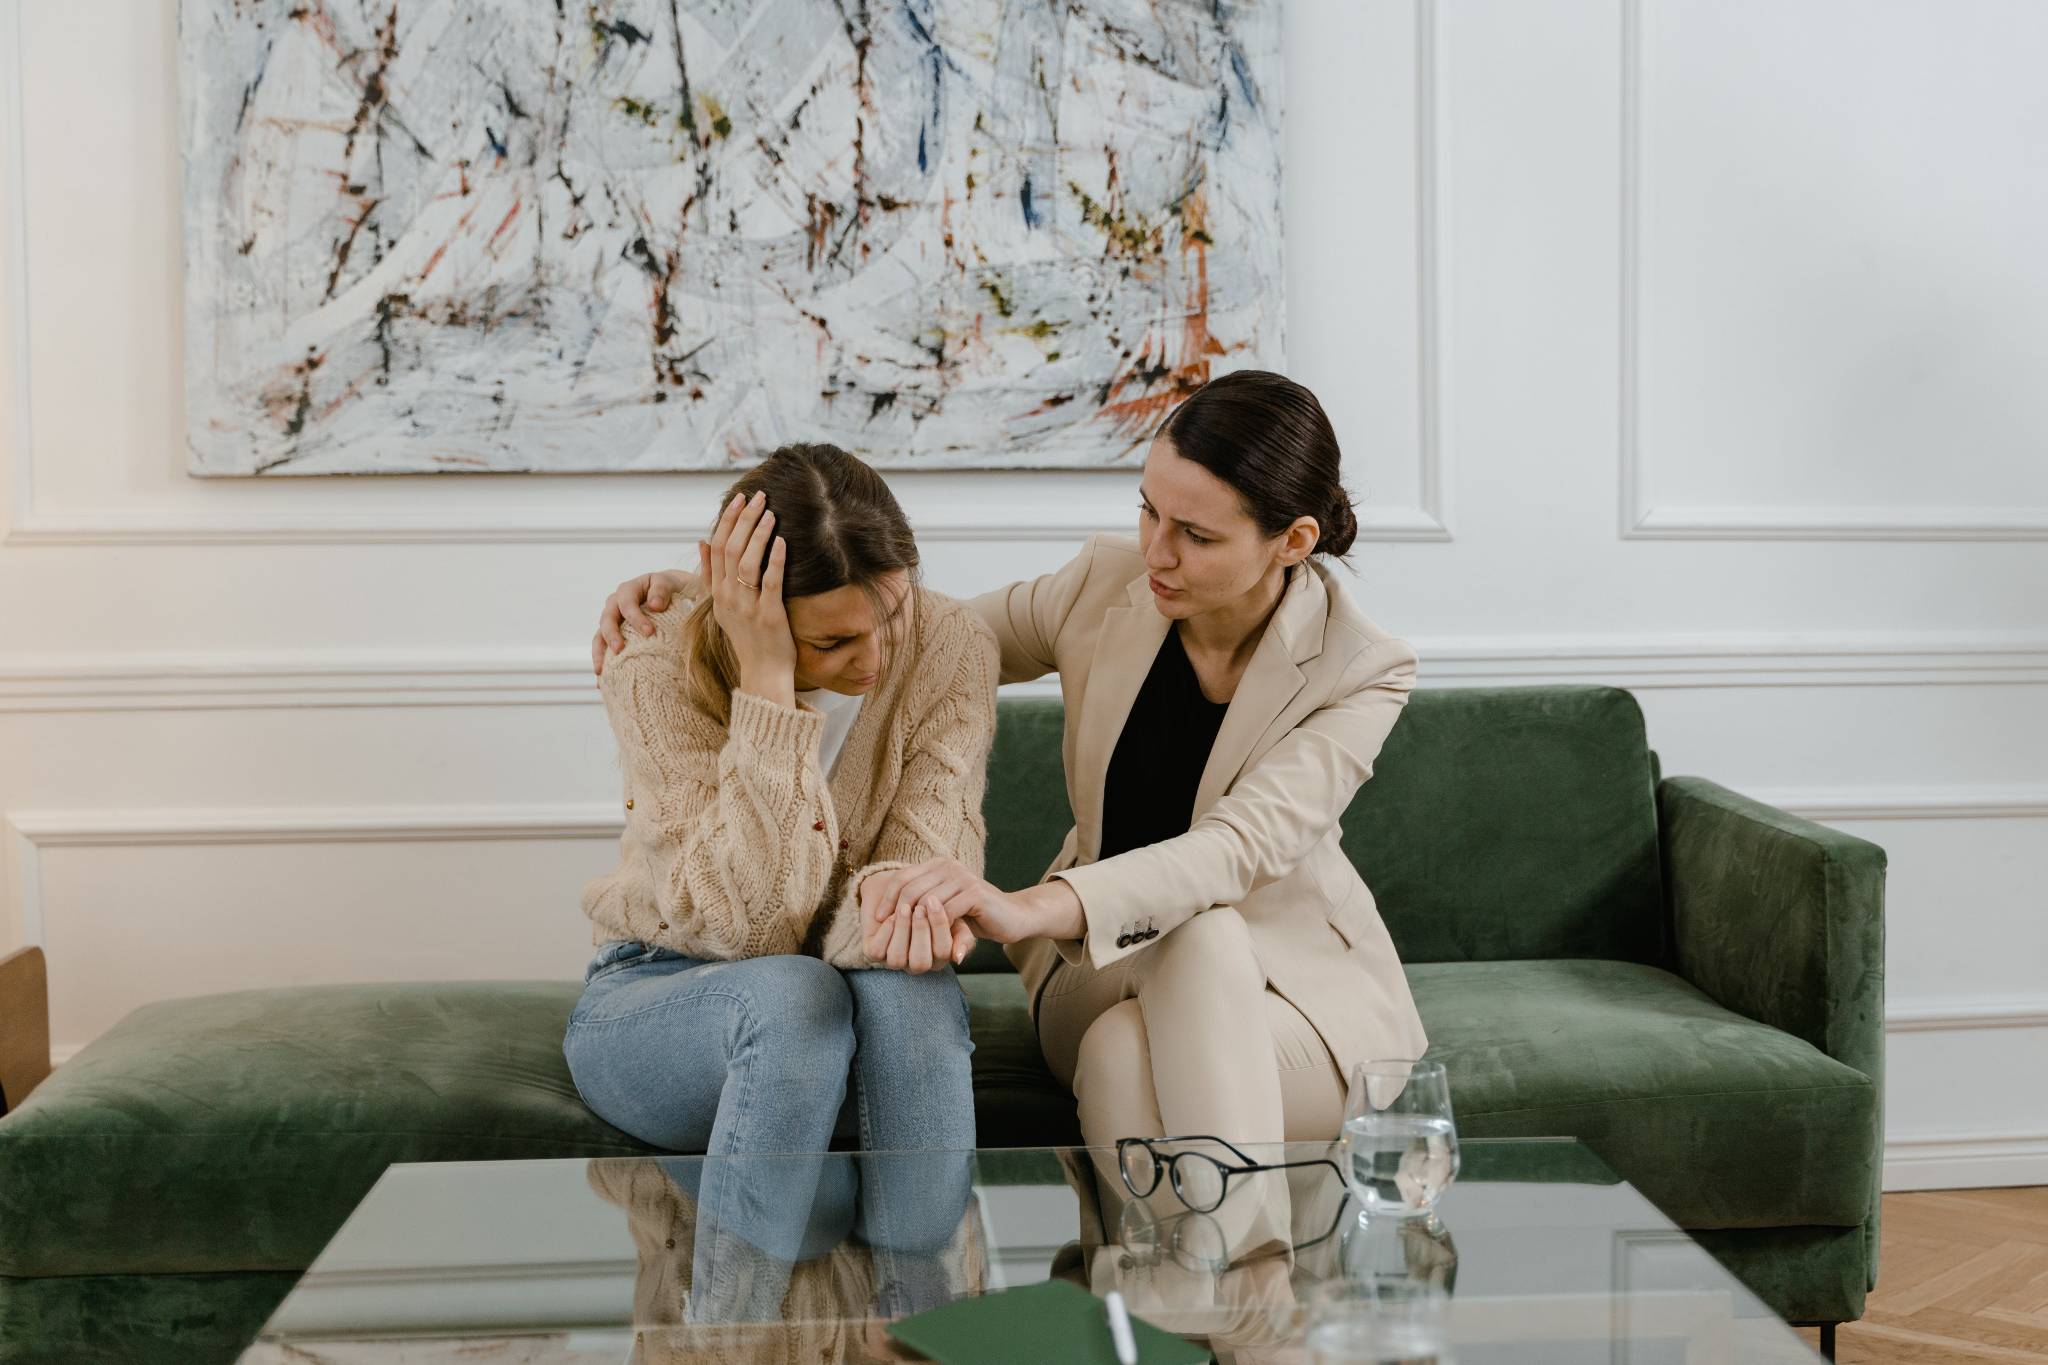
1184 1037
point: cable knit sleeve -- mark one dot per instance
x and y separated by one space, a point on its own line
733 824
937 809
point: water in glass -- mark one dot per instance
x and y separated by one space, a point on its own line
1399 1139
1400 1163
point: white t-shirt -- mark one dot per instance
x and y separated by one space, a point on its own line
839 711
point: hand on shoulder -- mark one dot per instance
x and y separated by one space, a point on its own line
629 608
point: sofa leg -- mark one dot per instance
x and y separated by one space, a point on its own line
1827 1336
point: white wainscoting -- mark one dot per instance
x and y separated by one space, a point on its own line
114 681
2009 1027
1823 204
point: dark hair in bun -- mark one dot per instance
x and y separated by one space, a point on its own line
1266 436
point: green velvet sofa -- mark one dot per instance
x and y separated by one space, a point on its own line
1687 980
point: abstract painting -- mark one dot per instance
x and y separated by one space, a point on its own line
543 235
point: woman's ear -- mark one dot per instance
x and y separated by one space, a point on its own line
1298 541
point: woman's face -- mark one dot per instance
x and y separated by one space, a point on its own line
1203 550
840 646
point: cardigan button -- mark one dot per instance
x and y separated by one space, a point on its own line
662 925
842 843
629 803
819 825
669 1243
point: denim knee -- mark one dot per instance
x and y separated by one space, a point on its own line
792 1005
931 1006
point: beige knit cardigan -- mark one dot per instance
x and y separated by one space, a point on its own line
735 844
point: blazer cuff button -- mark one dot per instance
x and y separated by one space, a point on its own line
1123 940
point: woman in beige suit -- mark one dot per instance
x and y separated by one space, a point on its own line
1202 957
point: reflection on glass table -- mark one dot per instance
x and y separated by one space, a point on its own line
1545 1254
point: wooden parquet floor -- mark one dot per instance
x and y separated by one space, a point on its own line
1963 1277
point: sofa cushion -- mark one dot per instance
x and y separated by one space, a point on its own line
138 1319
1720 1121
1017 1101
237 1132
1505 823
1026 802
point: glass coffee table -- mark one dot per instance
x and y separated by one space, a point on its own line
1547 1256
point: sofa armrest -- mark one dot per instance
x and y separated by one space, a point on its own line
1777 918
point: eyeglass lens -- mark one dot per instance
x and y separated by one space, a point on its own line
1141 1169
1199 1181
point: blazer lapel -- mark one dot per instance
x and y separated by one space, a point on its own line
1124 652
1271 681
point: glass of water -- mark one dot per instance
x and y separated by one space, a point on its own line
1400 1143
1378 1320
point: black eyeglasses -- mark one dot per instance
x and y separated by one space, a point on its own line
1200 1181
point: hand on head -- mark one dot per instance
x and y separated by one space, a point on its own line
750 611
742 567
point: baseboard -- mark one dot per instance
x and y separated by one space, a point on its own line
1965 1162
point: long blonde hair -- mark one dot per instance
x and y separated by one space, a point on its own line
840 527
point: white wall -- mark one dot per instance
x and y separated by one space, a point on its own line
1689 347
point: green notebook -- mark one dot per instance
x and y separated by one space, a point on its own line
1053 1321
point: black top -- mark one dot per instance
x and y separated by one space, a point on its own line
1148 793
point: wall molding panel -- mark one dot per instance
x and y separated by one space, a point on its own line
1642 516
233 679
1655 661
1065 519
14 226
1990 801
229 679
554 526
1968 1012
1430 521
28 833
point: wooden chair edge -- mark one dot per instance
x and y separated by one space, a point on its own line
24 1025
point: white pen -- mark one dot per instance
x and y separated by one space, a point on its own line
1120 1329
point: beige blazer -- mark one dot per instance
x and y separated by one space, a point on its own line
1316 702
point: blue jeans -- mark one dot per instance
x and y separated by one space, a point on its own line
751 1059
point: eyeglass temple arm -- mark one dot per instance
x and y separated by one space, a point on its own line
1228 1146
1254 1168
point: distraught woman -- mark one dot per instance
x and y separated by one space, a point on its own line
811 727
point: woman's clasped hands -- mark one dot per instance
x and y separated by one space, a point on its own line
916 918
903 918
